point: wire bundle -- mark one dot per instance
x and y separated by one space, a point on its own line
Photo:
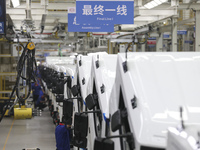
26 62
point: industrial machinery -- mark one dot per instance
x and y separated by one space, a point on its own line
85 77
79 92
80 83
68 72
115 105
59 72
26 73
148 89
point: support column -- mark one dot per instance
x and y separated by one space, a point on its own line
159 43
174 34
134 48
143 47
188 38
110 47
197 31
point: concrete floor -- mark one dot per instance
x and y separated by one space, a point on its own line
37 132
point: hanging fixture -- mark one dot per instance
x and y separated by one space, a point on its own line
154 3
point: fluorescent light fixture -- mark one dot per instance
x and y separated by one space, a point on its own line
148 5
15 3
154 3
163 1
158 2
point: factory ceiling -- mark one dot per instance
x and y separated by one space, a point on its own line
49 16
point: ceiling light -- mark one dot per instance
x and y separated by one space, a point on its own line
163 1
158 2
15 3
154 3
148 5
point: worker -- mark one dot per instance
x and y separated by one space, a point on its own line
36 88
62 137
41 103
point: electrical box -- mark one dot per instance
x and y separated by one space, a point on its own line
122 48
16 49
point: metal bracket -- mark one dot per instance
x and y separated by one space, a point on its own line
102 88
134 102
125 67
83 81
97 62
80 63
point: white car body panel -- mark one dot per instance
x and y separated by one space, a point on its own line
84 72
68 70
161 82
186 139
104 75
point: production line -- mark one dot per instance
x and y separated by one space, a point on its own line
117 99
100 85
99 75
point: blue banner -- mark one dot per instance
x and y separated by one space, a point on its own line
105 12
152 38
74 27
165 36
2 16
189 42
182 32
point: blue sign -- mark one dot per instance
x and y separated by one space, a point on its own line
189 42
74 27
105 12
151 46
1 27
2 16
152 38
165 36
182 32
46 54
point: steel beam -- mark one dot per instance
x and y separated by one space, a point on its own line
195 6
147 18
150 12
60 6
22 17
33 5
21 11
183 6
121 40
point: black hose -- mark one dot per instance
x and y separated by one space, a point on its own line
129 45
27 60
95 123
